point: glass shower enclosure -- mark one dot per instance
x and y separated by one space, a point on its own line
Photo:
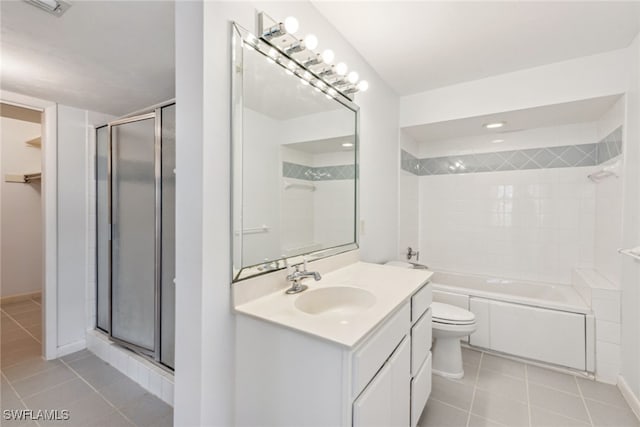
135 223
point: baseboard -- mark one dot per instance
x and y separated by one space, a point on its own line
629 396
20 297
72 348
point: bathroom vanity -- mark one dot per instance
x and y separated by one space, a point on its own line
352 350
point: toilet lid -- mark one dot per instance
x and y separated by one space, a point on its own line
446 313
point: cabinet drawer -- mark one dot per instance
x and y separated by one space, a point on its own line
420 302
368 359
420 391
420 342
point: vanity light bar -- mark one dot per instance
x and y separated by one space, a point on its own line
334 78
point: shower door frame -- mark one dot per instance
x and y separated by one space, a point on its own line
155 113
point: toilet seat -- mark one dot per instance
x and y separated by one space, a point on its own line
447 314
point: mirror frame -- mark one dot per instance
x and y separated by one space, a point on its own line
239 273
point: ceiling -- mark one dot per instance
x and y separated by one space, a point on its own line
107 56
421 45
531 118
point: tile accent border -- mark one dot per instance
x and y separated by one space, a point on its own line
534 158
320 173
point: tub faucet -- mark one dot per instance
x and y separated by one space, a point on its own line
296 277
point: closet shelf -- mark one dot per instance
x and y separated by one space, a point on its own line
35 142
25 178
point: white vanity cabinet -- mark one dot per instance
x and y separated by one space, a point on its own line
286 377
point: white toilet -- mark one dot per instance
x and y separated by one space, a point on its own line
450 323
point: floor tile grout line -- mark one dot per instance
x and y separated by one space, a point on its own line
30 375
99 393
475 387
584 403
17 394
22 327
551 411
526 385
47 388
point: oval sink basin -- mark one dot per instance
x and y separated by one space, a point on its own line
340 301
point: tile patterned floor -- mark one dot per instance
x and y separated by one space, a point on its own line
502 392
94 393
494 392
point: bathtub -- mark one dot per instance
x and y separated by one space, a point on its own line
558 297
542 322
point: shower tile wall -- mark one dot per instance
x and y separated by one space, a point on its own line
532 222
534 225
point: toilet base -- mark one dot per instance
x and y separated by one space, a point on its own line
451 376
447 357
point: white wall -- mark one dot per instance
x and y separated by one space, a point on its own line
204 349
408 203
21 210
75 256
608 220
630 279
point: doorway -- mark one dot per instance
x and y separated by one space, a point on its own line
21 232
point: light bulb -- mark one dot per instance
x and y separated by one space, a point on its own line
311 41
341 68
353 77
291 25
363 85
328 56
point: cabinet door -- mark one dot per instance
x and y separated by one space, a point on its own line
385 401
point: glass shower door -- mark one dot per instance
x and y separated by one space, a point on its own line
134 230
103 249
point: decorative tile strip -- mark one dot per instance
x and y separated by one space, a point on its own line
534 158
320 173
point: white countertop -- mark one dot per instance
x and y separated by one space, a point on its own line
390 285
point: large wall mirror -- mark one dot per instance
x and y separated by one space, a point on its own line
295 152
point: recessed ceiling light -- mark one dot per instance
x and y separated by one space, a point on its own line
54 7
497 141
494 125
347 144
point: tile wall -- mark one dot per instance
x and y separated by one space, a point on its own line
532 219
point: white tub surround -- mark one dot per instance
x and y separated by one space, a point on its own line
547 323
604 298
364 361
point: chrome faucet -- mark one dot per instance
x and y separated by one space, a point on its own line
296 276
